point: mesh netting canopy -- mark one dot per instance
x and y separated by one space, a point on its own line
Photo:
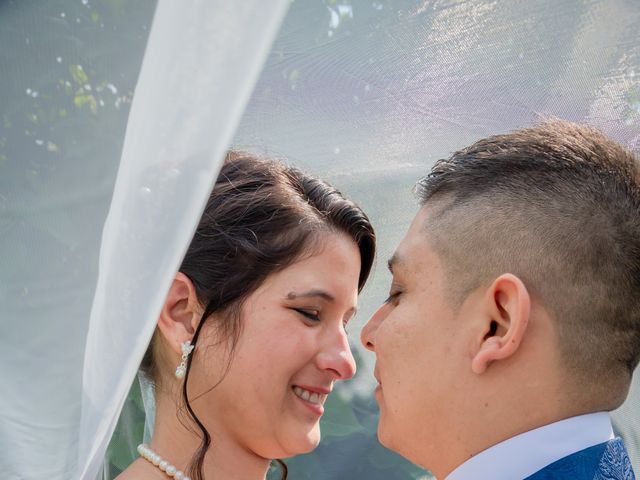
101 189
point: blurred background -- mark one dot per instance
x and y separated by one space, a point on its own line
367 94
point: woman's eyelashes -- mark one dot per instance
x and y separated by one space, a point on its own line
312 315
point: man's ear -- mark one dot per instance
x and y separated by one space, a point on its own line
180 313
507 305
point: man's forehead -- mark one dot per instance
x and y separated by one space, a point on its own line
415 247
421 226
410 250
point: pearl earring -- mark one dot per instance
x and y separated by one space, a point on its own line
187 348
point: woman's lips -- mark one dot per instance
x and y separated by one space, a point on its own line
312 397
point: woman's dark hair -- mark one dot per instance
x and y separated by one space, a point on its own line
261 217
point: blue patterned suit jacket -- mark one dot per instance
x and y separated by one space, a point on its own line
606 461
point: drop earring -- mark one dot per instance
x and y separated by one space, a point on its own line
187 348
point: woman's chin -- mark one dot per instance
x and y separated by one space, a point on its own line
300 444
312 442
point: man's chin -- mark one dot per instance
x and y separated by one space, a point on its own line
383 434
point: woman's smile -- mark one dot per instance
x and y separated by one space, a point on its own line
312 397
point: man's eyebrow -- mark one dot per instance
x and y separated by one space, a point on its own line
394 260
311 293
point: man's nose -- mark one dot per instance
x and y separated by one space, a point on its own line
337 358
368 334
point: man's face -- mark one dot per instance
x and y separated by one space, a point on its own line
422 355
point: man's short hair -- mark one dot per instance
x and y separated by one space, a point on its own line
559 206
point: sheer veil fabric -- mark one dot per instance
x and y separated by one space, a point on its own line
208 56
199 68
368 94
365 93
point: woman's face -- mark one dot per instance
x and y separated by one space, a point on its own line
292 348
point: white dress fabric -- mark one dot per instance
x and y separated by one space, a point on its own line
367 94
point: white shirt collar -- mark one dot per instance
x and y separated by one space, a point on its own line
523 455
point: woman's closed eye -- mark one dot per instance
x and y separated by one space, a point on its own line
313 315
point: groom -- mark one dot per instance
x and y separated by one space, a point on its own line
513 321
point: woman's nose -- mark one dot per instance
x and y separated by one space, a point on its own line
337 358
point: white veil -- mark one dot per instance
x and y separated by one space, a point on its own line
199 68
365 93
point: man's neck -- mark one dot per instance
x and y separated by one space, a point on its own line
529 452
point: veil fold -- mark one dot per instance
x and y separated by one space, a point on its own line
200 66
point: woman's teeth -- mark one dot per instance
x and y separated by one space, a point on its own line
311 397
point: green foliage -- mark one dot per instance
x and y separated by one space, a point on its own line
129 432
65 102
338 420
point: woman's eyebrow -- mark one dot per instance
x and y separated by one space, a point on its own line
311 293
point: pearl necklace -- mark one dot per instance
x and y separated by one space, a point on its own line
145 452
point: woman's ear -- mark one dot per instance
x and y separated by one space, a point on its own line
507 304
180 313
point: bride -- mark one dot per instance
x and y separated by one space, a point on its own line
251 337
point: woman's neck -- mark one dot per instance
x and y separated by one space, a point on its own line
224 459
